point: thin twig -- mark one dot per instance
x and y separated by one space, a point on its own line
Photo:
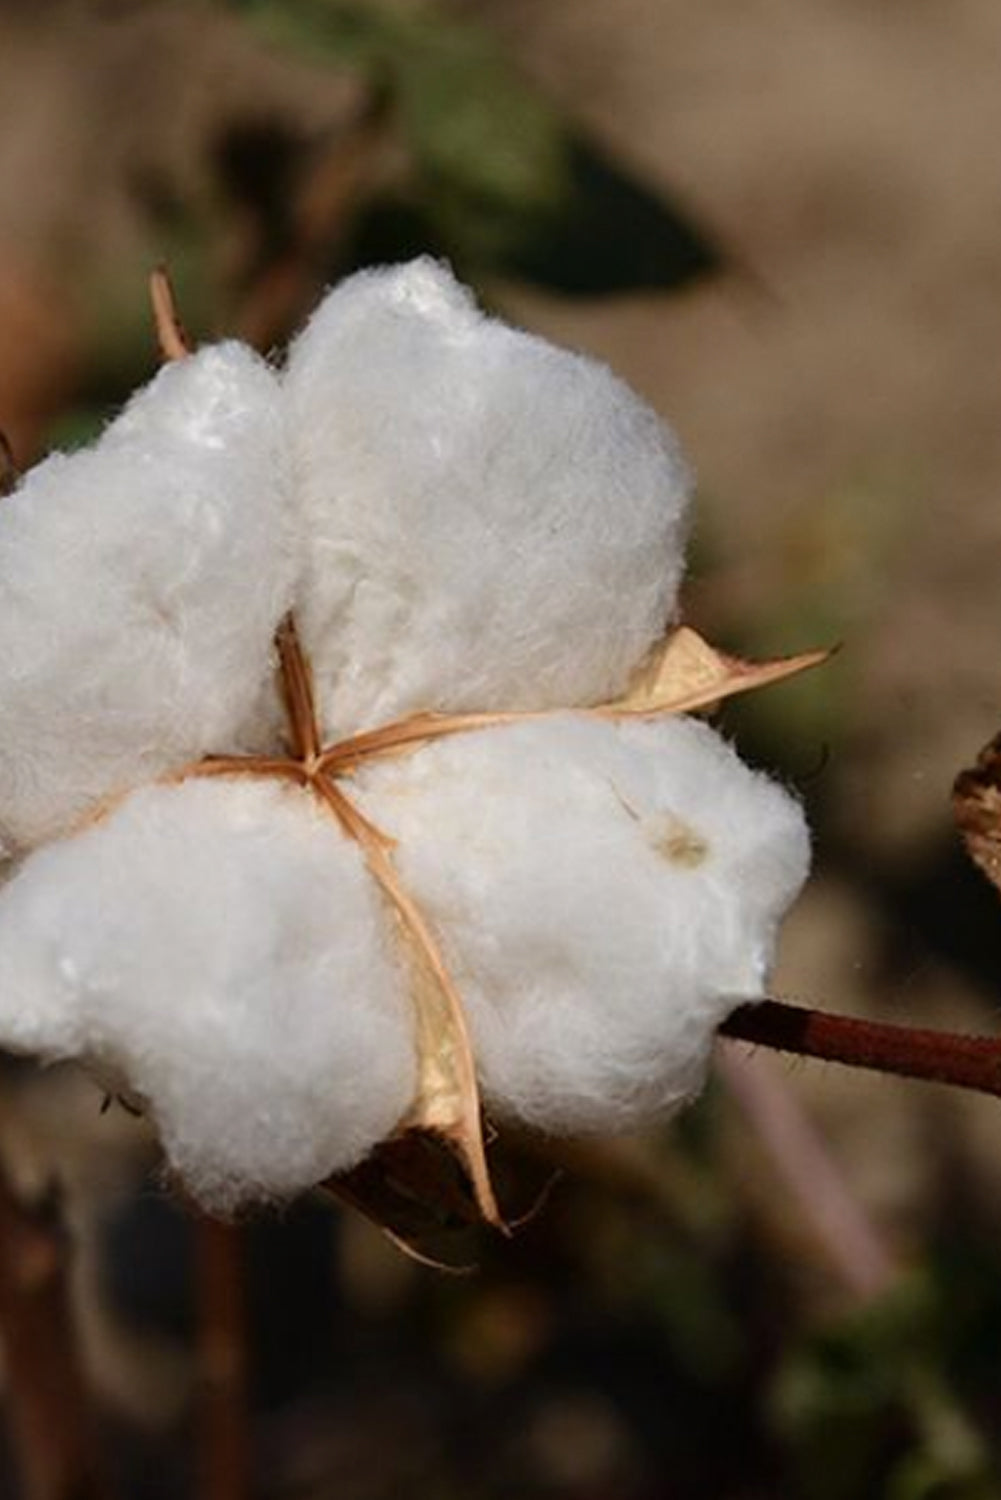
47 1404
805 1164
225 1438
170 331
966 1062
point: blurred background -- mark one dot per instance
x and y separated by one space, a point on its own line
780 220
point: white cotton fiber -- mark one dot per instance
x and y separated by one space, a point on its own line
220 945
141 582
604 894
492 521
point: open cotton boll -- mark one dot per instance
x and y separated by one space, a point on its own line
141 581
604 894
220 946
492 521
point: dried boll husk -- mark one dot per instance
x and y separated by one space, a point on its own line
604 894
493 522
221 947
141 581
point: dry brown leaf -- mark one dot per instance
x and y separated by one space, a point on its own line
684 673
976 805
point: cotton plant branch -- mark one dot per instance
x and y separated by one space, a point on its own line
46 1399
850 1241
966 1062
224 1434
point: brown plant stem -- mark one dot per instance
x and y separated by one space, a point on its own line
223 1374
966 1062
46 1400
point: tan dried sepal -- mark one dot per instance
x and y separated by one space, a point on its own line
447 1101
684 673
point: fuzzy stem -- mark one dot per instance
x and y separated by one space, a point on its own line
966 1062
46 1399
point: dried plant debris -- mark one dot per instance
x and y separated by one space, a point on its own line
342 782
976 801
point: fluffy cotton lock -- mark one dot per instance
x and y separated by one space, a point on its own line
219 946
141 581
605 893
459 517
493 522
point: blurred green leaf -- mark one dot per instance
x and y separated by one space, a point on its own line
503 182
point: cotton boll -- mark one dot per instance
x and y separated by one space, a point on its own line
604 893
492 521
220 945
141 582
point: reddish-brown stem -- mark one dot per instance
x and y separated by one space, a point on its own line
46 1398
224 1428
966 1062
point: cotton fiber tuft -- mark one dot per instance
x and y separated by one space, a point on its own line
220 947
605 893
494 522
141 582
